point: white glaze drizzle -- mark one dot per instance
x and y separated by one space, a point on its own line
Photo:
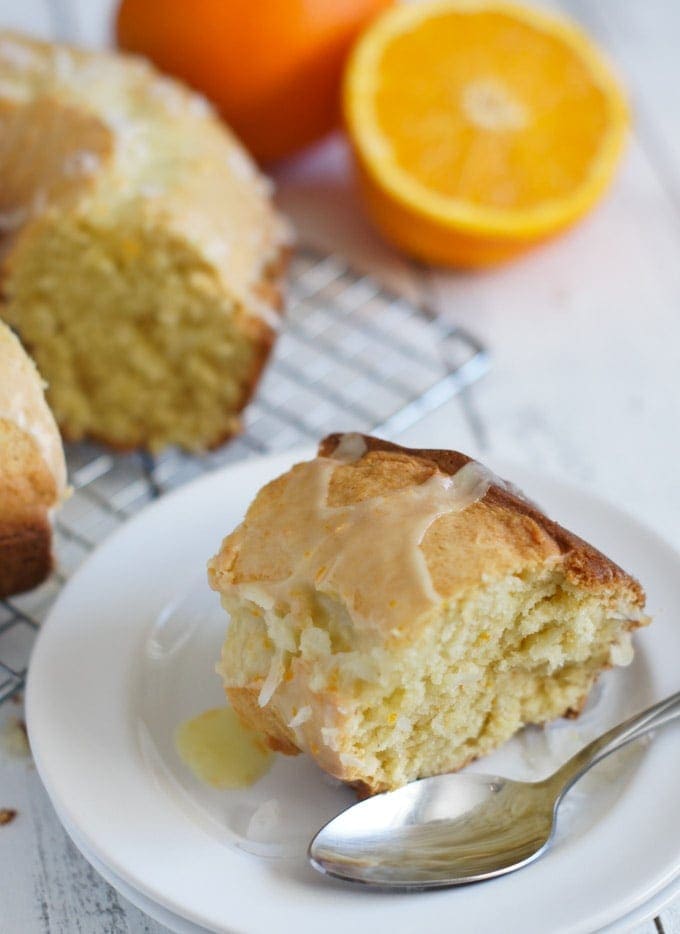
350 448
366 554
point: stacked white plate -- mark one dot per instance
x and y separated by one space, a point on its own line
129 652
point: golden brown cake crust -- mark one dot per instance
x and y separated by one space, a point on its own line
32 471
583 564
27 491
502 533
25 552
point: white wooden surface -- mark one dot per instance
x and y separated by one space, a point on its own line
585 335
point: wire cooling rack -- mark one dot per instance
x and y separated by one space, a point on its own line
352 356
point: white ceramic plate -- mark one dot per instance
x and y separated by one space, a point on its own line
128 652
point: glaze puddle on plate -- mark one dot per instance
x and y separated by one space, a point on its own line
278 815
221 751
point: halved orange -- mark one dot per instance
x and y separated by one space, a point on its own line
479 127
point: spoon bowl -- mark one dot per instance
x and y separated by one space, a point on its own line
441 831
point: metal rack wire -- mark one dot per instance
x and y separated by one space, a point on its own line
352 356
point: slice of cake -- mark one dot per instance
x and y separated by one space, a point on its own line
397 613
32 470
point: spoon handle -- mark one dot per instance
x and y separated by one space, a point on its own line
615 739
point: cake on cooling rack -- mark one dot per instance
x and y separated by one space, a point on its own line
32 470
141 253
397 613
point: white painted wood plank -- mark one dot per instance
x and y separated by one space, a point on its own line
644 39
94 21
33 17
46 885
648 927
670 918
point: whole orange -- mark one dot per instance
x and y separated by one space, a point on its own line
273 67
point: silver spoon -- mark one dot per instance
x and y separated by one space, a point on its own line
452 829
